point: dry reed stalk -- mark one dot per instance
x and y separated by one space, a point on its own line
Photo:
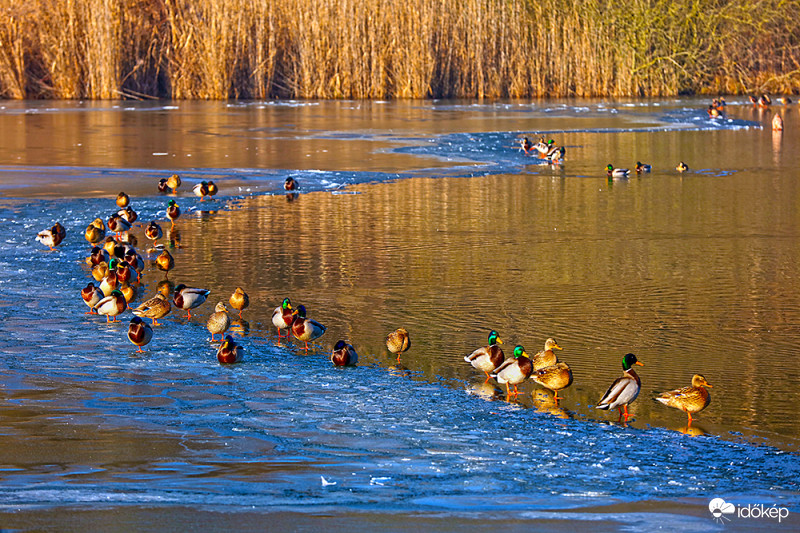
12 55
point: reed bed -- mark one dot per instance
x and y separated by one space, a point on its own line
219 49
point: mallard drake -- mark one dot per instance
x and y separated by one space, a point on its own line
239 300
682 167
51 237
554 377
95 232
110 280
173 211
785 100
625 389
514 370
173 182
139 332
282 317
544 147
642 167
165 262
212 188
126 274
91 295
398 342
163 186
487 358
187 298
201 190
344 354
306 329
617 172
764 100
153 231
218 321
229 352
556 154
134 260
128 214
546 357
777 123
690 400
156 307
713 112
117 224
123 200
112 305
96 256
290 184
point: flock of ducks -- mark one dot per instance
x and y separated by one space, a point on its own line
118 267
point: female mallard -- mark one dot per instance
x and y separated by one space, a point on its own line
123 200
514 370
546 357
487 358
112 305
398 342
95 232
156 307
555 377
617 172
100 271
128 291
219 321
306 329
153 232
173 182
201 190
526 145
625 389
229 352
187 298
282 317
165 262
682 167
290 184
239 300
91 295
344 354
139 332
690 400
642 167
173 211
51 237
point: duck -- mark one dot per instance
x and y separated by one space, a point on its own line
112 305
398 342
126 274
173 211
777 123
682 167
282 317
109 244
642 167
690 400
128 291
617 172
139 332
117 224
165 262
212 188
156 307
229 352
514 370
306 329
173 182
624 390
764 100
487 358
91 295
110 281
153 231
100 271
96 256
546 357
123 200
556 154
344 354
51 237
290 184
128 214
554 377
163 186
239 300
713 112
785 100
218 321
543 147
201 190
95 232
187 298
134 260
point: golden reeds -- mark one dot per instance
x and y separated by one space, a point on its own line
218 49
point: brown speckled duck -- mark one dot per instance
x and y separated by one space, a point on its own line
219 321
690 400
398 342
546 357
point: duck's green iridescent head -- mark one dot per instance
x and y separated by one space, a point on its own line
113 263
519 351
171 203
628 360
494 338
286 304
610 167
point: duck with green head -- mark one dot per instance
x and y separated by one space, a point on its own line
112 305
487 358
173 211
282 317
514 370
625 389
690 400
617 172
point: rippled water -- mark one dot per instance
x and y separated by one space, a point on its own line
421 215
